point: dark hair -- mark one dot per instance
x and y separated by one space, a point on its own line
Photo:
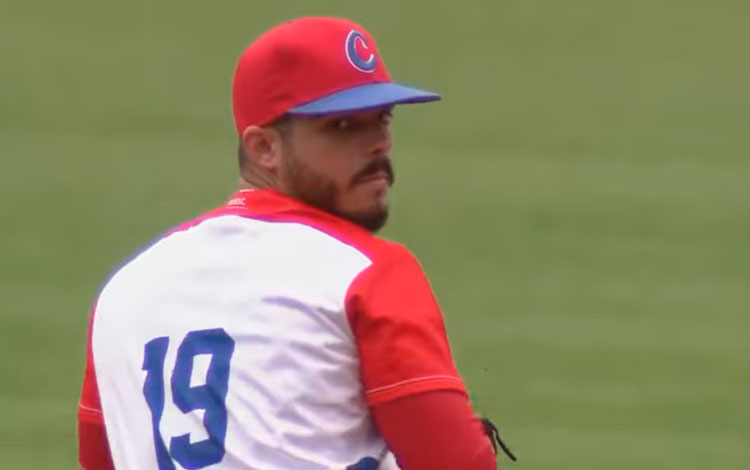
241 157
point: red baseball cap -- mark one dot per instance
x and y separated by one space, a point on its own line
314 66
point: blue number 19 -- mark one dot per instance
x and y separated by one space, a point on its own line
210 397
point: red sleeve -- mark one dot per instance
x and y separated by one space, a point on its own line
399 330
434 431
93 449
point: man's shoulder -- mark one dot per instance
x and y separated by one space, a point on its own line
344 231
383 251
377 249
300 236
273 206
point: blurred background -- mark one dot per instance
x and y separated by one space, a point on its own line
579 200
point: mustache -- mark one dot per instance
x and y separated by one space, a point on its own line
379 164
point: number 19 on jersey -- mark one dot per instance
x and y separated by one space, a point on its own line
210 397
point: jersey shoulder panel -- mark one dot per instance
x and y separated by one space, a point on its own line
399 328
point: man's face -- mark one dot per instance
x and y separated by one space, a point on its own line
341 164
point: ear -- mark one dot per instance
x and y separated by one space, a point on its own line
262 147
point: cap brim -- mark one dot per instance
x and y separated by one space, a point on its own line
373 95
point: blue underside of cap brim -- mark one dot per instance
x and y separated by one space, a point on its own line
363 97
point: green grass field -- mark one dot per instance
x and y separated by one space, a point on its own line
580 201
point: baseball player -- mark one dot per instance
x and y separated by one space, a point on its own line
277 332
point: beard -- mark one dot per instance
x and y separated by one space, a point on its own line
320 191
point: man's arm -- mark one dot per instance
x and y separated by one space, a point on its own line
434 430
93 448
415 394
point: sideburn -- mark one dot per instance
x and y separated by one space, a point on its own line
304 184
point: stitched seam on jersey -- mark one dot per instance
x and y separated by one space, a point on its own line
89 409
386 388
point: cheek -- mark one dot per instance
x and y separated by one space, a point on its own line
337 162
339 167
314 159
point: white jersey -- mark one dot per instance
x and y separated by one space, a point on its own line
249 339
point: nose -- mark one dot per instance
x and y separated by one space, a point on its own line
381 140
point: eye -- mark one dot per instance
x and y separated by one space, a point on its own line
342 124
386 117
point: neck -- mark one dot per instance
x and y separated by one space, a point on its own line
244 184
255 180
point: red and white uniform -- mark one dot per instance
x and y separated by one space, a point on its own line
258 337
